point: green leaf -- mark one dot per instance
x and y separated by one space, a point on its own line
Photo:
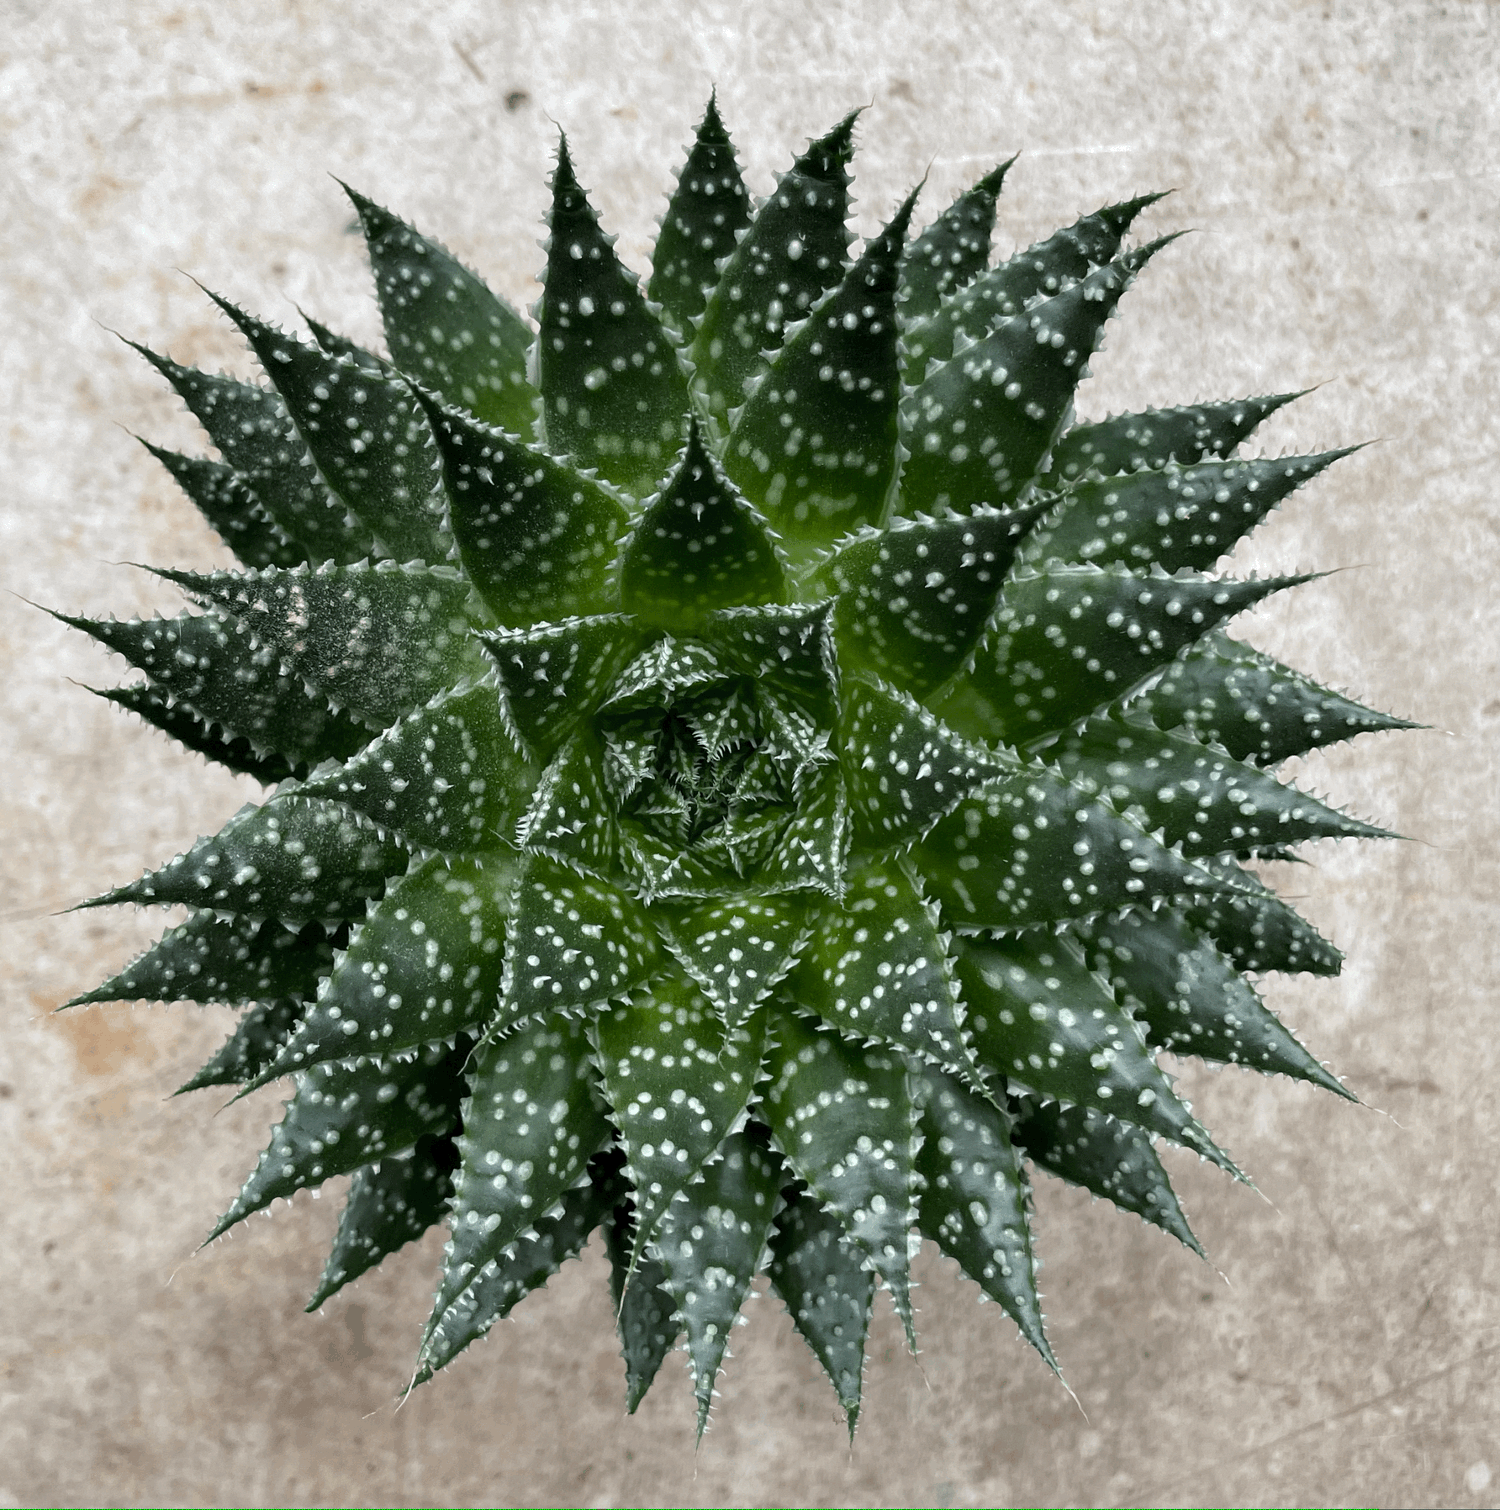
1040 1018
556 674
645 1313
1177 518
1029 848
952 251
444 326
233 961
257 1039
828 1291
446 777
814 847
975 1201
391 1203
376 642
795 248
1258 931
346 1115
337 345
423 965
980 424
572 816
699 546
914 598
613 392
677 1081
736 949
526 1265
1195 795
878 968
1070 639
843 1117
575 943
1152 438
1065 258
233 512
1229 694
537 539
255 436
902 768
295 858
366 435
531 1125
1190 998
710 1245
709 206
661 871
789 650
1110 1158
815 443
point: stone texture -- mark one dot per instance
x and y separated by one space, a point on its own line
1340 160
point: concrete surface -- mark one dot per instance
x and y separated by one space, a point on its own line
1340 161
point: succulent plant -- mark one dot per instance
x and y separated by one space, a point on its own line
749 772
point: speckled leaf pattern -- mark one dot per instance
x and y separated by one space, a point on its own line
1110 1158
645 1313
737 949
444 327
572 816
1259 932
337 345
814 847
257 1039
952 251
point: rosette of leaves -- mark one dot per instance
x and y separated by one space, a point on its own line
749 773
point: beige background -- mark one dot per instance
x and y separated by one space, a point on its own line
1340 162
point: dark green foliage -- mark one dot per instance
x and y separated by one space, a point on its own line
952 251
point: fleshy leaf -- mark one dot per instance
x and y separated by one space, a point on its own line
257 1039
814 847
791 648
337 345
878 968
299 859
699 546
952 251
1258 931
391 1203
828 1291
613 393
815 443
1042 1019
975 1201
677 1081
422 966
536 538
1110 1158
446 777
444 326
709 206
1256 708
343 1116
843 1117
644 1310
1190 998
1029 848
710 1245
794 249
376 642
1152 438
1070 639
736 948
572 816
913 599
531 1125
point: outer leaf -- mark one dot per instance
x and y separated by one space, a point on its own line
698 547
1259 710
343 1116
377 642
446 777
444 326
736 949
844 1119
337 345
952 251
424 964
1112 1159
530 1127
710 1245
815 444
258 1038
1258 931
572 816
828 1291
391 1203
975 1201
294 858
645 1314
677 1081
536 539
1070 639
708 208
613 393
793 251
